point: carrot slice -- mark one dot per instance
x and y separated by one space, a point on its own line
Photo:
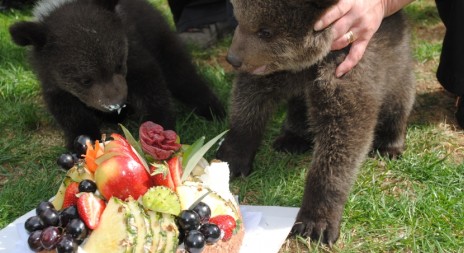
91 154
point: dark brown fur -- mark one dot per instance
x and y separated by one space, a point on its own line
342 119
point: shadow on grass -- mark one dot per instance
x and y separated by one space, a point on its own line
434 108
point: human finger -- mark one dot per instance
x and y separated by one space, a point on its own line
333 14
354 56
344 40
342 26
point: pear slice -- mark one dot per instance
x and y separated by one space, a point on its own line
75 174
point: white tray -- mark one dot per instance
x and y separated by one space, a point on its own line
266 228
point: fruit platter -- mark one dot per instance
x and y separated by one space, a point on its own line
150 195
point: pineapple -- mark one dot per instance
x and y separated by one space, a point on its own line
168 227
158 239
112 234
141 230
190 192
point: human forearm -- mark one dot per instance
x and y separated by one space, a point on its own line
392 6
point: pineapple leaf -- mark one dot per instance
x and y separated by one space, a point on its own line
199 200
107 156
192 149
135 144
137 148
196 157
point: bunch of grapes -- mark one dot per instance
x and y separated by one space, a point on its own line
51 229
195 229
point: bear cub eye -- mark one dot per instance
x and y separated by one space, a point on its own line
86 82
265 33
119 68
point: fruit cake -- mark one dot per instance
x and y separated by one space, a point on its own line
151 195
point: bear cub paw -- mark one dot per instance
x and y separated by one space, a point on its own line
322 229
291 143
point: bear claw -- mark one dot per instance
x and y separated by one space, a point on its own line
320 231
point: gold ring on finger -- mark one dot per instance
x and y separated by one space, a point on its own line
350 37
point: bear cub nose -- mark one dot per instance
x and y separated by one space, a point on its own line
233 60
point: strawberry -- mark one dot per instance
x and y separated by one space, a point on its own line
175 170
167 174
226 223
90 208
160 176
70 197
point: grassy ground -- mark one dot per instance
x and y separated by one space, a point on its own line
415 204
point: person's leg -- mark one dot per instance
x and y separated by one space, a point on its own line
177 7
5 4
202 22
450 72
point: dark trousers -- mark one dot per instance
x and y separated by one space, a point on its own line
450 71
196 13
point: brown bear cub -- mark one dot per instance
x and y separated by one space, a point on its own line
279 57
94 57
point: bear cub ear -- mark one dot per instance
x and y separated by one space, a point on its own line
28 33
107 4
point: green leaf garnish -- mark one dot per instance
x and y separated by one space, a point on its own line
134 143
136 146
196 157
192 149
107 156
199 200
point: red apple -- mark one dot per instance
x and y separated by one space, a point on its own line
120 172
118 144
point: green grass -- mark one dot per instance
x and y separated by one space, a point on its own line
414 204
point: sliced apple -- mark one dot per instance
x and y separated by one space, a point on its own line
121 176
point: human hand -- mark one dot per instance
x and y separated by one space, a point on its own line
355 22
